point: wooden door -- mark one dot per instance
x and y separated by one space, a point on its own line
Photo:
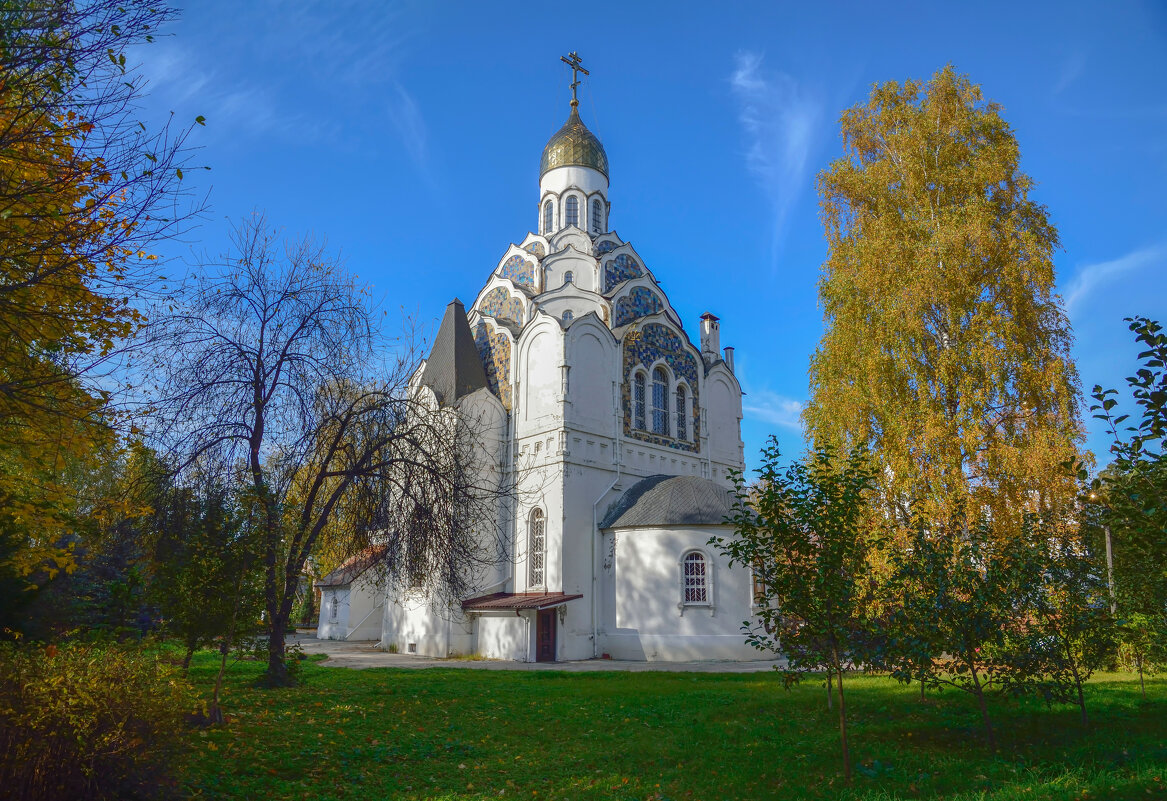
545 621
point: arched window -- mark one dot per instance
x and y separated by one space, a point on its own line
660 401
572 209
638 401
548 216
536 548
682 408
568 277
695 579
568 316
597 216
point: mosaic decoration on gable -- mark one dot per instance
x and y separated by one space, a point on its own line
500 304
640 302
536 249
620 269
656 342
519 270
495 350
607 246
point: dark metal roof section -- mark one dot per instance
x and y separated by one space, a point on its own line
670 501
454 367
504 601
353 567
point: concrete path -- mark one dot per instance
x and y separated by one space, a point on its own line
365 654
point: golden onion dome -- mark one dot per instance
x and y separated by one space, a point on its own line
574 145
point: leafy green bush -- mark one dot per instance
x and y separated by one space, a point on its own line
86 721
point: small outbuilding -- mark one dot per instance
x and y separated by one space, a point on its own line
351 604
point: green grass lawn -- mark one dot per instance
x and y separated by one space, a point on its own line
470 734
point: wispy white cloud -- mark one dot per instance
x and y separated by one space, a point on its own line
1072 68
1093 277
769 407
410 124
780 119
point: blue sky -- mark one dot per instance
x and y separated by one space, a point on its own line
409 135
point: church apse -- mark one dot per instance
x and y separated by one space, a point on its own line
643 348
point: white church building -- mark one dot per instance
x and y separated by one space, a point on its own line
618 432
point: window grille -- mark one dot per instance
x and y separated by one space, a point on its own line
660 401
638 401
682 419
573 211
536 549
596 217
332 611
696 584
568 316
548 215
568 277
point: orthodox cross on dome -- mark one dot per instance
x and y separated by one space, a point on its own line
572 60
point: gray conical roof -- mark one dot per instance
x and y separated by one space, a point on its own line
454 367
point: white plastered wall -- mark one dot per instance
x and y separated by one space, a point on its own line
650 621
503 635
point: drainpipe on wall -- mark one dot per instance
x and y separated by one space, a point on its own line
596 531
512 466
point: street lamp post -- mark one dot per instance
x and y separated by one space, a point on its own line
1109 563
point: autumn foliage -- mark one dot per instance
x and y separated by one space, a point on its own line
81 721
946 351
85 190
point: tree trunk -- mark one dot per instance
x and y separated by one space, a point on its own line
921 688
277 665
186 659
1081 699
1077 683
1139 665
215 712
830 690
843 722
980 694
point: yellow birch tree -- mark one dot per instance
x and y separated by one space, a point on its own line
946 350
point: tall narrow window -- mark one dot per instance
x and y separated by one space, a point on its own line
597 223
548 216
572 208
682 408
536 548
695 579
760 588
568 277
638 401
660 401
